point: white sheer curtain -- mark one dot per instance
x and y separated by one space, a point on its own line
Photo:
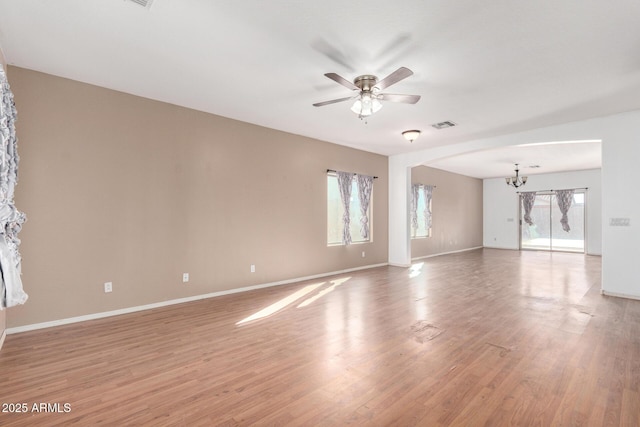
415 194
365 186
11 219
428 194
345 180
528 200
564 198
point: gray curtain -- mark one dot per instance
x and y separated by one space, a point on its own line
565 198
528 200
365 186
415 189
11 219
428 194
345 180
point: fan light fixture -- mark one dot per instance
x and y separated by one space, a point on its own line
516 181
366 105
411 135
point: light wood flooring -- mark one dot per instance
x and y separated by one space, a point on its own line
481 338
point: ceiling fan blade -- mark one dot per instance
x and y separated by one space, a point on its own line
341 80
333 53
399 74
333 101
394 97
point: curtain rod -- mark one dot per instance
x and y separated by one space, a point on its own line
331 170
540 191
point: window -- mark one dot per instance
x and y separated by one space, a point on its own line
421 213
335 210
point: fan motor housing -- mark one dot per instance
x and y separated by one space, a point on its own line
365 82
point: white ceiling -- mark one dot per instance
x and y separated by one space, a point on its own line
493 67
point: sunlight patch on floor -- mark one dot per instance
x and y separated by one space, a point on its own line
279 305
415 269
335 284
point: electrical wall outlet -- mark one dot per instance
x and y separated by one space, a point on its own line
108 287
253 268
185 277
363 254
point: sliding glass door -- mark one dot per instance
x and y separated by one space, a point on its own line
544 230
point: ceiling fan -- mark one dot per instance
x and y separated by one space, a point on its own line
367 100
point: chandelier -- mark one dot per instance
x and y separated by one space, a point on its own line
516 181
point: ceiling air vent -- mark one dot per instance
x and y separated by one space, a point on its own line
444 125
143 3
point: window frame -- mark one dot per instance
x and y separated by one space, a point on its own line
355 215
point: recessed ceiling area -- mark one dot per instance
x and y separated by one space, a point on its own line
533 159
493 68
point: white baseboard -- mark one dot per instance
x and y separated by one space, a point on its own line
620 295
127 310
395 264
447 253
4 335
501 247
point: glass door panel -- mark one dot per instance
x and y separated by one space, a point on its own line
572 240
538 234
546 232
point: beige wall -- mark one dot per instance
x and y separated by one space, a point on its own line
3 314
125 189
457 212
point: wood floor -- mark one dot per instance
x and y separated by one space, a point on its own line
482 338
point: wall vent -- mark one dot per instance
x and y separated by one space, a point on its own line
444 125
144 3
